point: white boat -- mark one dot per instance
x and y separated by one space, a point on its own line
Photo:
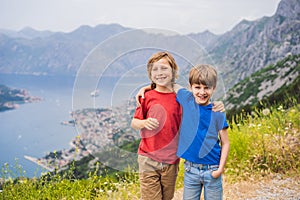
95 93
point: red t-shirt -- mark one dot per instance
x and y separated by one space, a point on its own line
160 144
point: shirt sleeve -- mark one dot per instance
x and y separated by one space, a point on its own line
182 95
222 122
139 114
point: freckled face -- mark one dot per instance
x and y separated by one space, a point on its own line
202 93
161 73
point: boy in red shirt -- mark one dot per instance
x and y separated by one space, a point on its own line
158 119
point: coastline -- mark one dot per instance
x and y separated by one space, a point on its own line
37 161
12 98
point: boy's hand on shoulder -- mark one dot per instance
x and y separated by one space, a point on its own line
218 106
141 94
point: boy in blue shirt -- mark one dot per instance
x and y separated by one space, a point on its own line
200 135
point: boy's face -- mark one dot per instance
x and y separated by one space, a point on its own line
161 73
202 93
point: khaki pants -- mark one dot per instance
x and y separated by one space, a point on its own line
157 180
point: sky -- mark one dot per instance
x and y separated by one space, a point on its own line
181 16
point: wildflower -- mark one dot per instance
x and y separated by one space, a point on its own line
280 108
251 125
266 111
258 126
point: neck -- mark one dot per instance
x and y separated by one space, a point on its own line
163 89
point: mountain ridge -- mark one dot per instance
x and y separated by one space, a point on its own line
252 45
246 48
266 84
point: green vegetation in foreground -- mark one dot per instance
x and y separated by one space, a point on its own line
265 142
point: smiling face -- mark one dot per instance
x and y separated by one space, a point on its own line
203 81
162 71
202 93
162 75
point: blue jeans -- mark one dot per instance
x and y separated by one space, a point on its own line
198 176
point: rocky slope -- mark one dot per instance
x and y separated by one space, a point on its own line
281 79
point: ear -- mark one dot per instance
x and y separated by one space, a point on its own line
214 89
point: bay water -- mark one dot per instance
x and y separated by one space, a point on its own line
34 129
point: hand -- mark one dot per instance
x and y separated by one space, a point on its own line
216 173
151 124
141 93
218 106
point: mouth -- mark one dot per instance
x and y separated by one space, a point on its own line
202 98
161 78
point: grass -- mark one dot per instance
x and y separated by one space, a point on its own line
265 142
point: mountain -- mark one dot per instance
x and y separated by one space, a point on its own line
27 33
275 83
206 38
58 53
247 48
252 45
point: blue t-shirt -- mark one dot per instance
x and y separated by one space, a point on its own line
199 132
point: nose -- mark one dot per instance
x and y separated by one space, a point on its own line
201 90
159 71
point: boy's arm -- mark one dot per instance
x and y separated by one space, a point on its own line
176 87
218 106
224 153
150 123
141 93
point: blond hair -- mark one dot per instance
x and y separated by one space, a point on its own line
156 57
203 74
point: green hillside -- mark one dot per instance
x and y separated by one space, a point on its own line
275 84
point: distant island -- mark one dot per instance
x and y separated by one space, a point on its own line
11 98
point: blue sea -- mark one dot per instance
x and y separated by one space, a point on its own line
34 129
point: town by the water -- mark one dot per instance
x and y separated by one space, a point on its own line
97 128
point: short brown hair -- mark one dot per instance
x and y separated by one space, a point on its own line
156 57
203 74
